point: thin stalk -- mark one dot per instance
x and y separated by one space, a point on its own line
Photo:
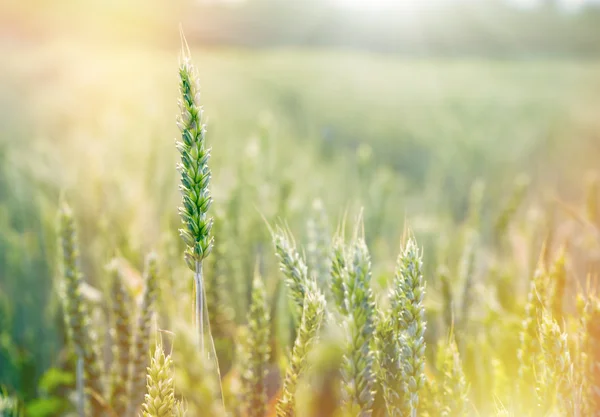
200 307
201 316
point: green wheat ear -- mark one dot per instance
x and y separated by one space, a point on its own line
453 386
141 345
194 169
293 267
387 355
407 304
195 178
160 397
77 318
339 273
357 365
310 323
122 339
257 351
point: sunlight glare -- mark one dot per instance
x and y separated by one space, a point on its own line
405 5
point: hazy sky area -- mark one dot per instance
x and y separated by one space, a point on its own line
411 4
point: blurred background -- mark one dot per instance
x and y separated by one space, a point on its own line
406 108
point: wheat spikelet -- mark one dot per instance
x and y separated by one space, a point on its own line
387 355
453 385
529 348
558 277
292 265
257 351
141 344
556 376
122 342
312 318
195 178
339 273
592 356
77 316
409 291
160 397
357 365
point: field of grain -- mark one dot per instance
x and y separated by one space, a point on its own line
334 175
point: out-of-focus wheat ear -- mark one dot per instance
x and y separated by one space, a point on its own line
558 282
476 195
160 395
592 200
430 402
77 317
386 354
529 350
258 352
407 302
293 267
515 200
447 296
141 344
180 409
218 301
592 355
313 313
319 246
555 378
121 341
501 384
358 380
466 273
453 385
339 273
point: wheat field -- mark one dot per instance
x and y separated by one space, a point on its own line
357 234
